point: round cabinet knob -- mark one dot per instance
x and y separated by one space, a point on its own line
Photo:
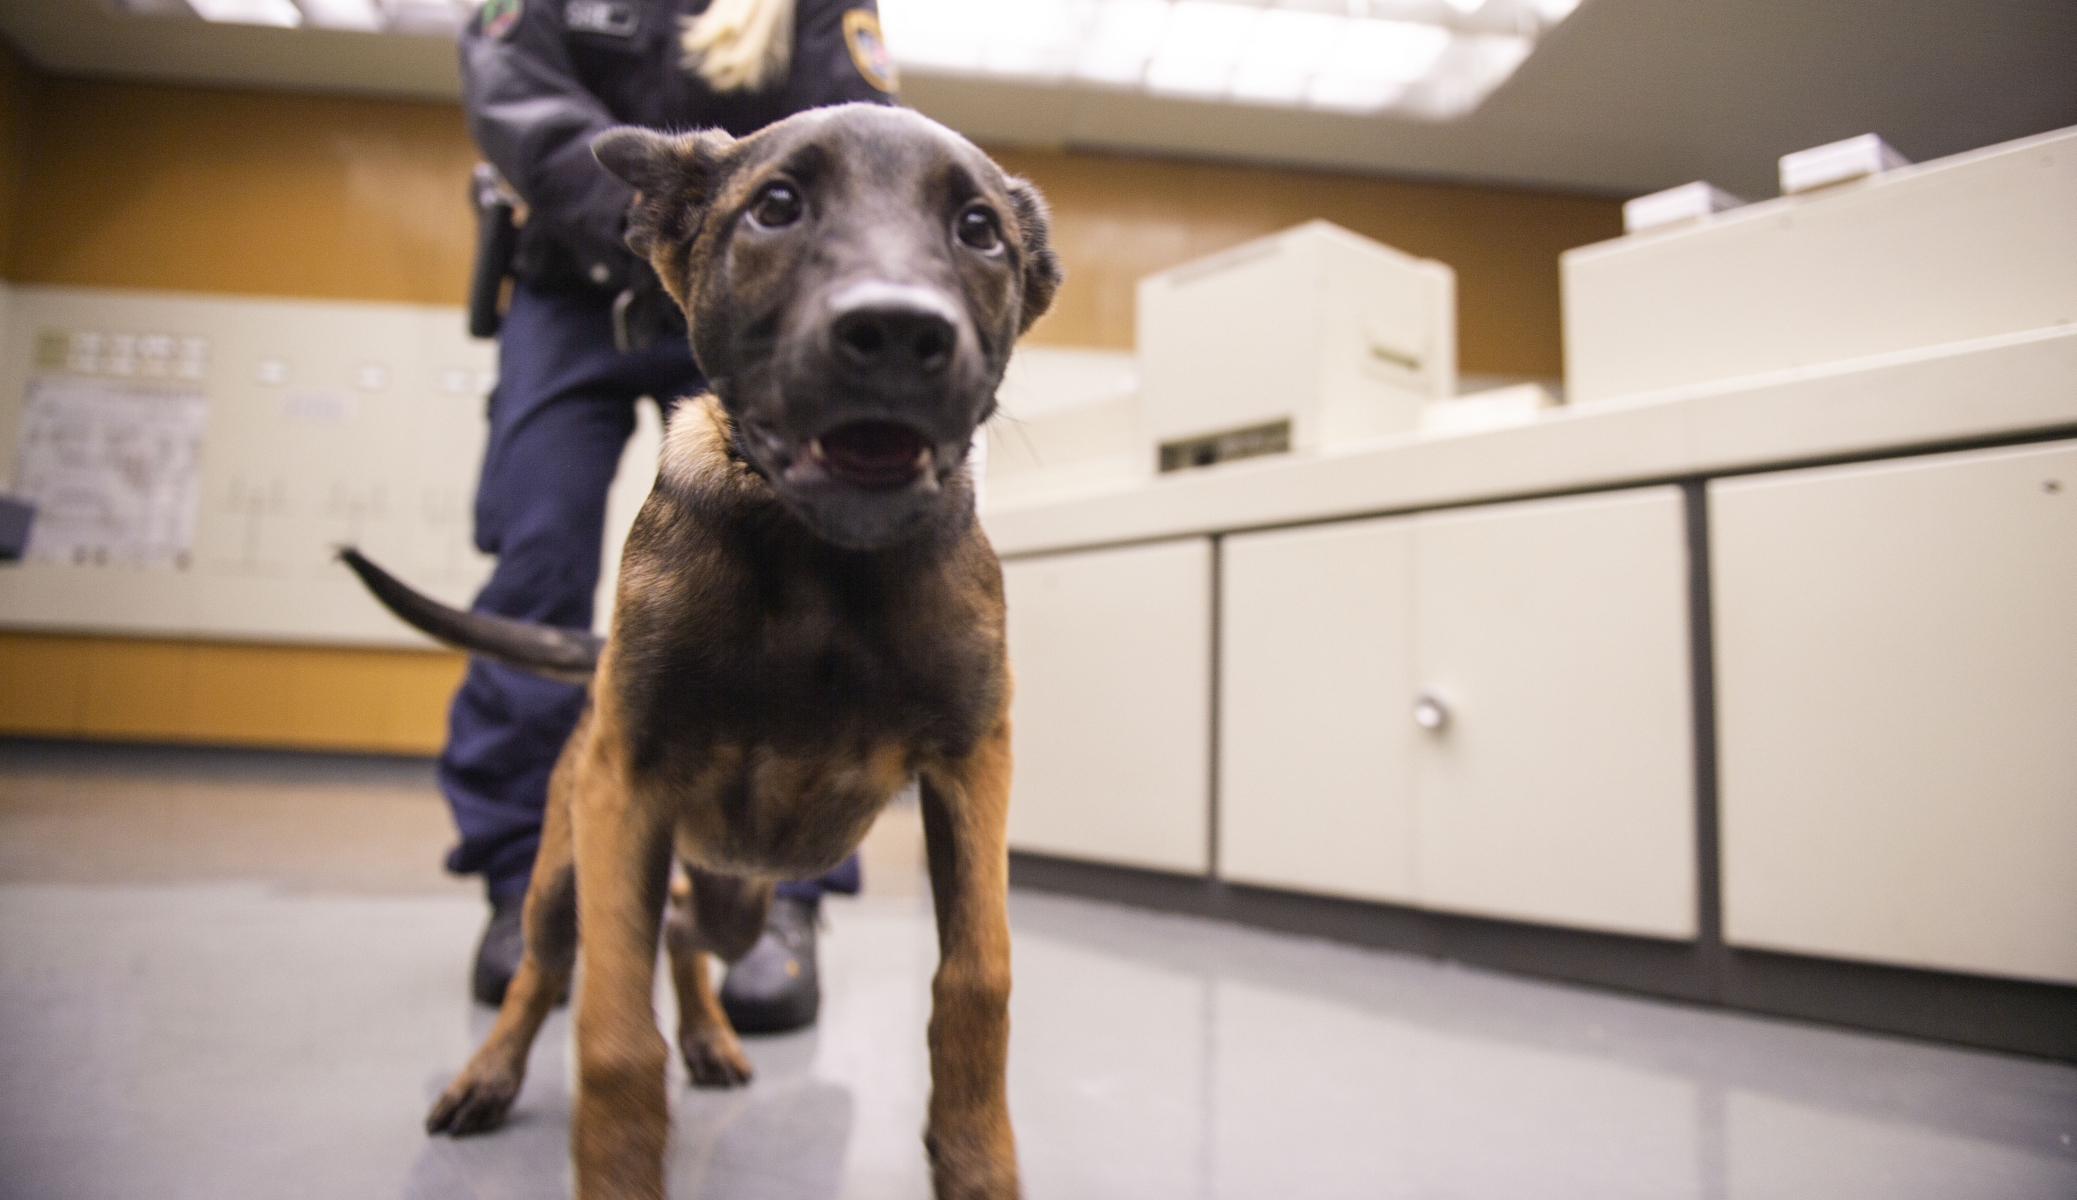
1430 713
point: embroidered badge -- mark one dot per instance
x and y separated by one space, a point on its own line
500 18
868 48
615 18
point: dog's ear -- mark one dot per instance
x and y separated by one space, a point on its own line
673 178
1042 273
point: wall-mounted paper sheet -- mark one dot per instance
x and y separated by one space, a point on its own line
112 469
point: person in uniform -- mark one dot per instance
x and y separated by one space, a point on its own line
587 331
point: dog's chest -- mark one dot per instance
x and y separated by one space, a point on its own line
801 706
809 664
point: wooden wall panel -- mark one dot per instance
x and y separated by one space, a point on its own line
217 190
17 104
307 697
42 685
220 190
213 190
1117 219
134 689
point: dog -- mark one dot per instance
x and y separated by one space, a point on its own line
808 616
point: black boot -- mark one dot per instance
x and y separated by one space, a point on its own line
497 955
773 989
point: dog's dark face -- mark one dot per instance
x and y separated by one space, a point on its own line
854 278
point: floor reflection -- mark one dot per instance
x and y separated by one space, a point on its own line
224 1013
782 1138
1216 1062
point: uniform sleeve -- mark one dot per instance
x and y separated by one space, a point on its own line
839 55
534 121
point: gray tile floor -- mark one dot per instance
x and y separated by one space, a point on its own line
233 976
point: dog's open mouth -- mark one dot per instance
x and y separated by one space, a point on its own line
872 454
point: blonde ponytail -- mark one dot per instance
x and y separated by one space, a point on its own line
740 45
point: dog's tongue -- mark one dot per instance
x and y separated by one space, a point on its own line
872 454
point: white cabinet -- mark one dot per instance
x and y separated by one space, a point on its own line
1315 671
1562 787
1554 634
1112 714
1897 710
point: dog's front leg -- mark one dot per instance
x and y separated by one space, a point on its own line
623 866
965 806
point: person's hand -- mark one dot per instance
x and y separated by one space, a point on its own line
644 313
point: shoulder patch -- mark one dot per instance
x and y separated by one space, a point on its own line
868 48
500 18
615 18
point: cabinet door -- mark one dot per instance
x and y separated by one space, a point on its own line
1561 787
1112 715
1315 790
1896 650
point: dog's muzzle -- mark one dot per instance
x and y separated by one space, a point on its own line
895 346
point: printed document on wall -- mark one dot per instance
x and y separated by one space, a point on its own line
112 469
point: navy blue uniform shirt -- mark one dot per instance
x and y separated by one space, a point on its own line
541 78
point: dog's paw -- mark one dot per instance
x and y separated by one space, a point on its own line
472 1104
972 1168
715 1059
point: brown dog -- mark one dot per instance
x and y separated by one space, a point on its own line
808 616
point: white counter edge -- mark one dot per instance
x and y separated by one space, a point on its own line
2007 385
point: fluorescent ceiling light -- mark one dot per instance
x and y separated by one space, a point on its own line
343 14
248 12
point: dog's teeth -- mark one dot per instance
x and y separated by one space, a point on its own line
924 457
815 448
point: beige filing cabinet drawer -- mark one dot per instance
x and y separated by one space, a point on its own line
1560 787
1896 650
1112 716
1315 679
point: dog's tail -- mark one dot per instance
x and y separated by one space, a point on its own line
569 655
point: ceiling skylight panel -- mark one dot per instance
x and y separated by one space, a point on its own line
248 12
1468 72
343 14
429 17
1400 51
1122 38
1430 59
1373 63
1200 48
1036 39
1286 49
937 35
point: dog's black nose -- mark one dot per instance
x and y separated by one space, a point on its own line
896 338
894 328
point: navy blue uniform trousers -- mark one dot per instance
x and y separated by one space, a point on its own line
560 416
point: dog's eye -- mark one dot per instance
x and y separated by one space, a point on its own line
978 227
777 205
